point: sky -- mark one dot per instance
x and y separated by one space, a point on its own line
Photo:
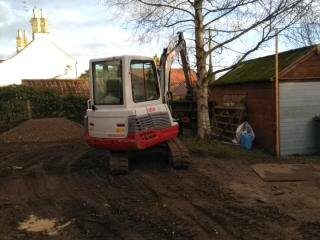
84 29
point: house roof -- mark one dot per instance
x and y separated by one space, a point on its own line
180 90
178 84
262 69
177 76
33 61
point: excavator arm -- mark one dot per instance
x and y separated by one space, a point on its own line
176 47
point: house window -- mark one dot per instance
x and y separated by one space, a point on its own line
144 81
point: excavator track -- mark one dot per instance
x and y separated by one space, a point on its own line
119 163
178 154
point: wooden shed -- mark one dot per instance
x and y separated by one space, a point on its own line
299 101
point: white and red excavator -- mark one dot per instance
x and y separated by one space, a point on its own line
129 109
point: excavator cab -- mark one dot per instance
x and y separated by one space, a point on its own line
128 111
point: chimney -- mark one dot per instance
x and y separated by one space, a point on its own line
35 22
25 38
39 23
44 23
19 41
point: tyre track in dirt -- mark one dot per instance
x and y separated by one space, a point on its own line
228 218
136 203
70 182
179 194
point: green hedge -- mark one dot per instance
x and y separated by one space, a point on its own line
44 103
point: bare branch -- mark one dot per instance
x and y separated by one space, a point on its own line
250 22
281 9
165 6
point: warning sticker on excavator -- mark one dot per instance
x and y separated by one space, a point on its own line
151 109
120 129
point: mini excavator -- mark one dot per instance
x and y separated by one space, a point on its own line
129 106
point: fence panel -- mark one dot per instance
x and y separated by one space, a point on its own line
61 86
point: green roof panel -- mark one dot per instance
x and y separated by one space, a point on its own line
261 69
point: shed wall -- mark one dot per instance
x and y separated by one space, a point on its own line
261 108
299 103
307 69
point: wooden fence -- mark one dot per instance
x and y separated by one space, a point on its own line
62 86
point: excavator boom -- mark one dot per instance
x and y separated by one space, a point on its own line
176 47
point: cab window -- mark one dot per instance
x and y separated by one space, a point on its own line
107 83
144 81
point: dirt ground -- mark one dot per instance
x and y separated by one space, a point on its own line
217 198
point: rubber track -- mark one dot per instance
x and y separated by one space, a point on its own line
179 154
119 163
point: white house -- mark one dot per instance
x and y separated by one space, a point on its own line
39 59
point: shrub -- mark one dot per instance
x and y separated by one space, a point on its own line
73 107
44 104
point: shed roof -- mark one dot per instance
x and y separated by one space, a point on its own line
262 69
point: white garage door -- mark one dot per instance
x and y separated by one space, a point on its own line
299 103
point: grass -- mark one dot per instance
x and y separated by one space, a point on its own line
214 148
223 150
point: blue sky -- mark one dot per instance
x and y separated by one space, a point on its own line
84 29
88 29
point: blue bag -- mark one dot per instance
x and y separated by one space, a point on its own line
246 140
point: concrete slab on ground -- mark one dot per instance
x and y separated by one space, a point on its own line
286 172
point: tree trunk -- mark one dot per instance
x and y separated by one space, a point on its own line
202 90
204 128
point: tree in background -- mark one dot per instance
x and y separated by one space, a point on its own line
230 22
84 75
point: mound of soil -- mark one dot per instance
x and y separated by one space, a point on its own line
43 130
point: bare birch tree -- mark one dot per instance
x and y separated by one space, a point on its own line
230 21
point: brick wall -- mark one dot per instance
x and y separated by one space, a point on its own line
62 86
